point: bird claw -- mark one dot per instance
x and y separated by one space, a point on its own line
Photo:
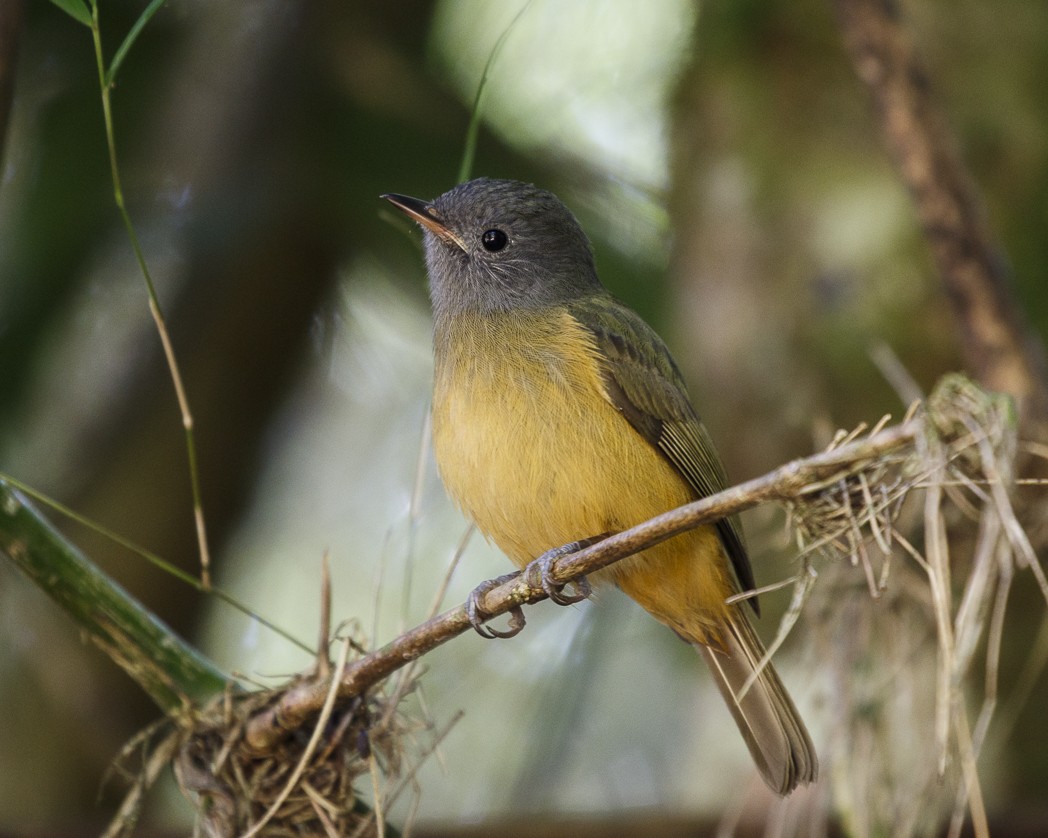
538 574
477 615
542 567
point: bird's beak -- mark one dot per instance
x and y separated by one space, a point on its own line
425 214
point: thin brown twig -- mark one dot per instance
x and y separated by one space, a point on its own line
174 370
323 654
438 738
160 757
783 484
407 677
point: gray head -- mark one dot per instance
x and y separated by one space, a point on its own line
500 245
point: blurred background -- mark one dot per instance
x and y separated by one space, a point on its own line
725 161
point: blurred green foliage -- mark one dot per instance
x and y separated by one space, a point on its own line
723 158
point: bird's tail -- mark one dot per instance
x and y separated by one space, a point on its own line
764 712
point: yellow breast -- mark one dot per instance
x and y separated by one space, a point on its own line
531 448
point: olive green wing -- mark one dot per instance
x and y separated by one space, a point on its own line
646 387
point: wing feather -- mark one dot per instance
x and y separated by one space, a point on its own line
646 387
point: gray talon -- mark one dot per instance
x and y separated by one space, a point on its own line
543 566
478 615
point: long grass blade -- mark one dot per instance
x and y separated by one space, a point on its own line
470 150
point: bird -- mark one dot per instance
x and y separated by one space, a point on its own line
559 415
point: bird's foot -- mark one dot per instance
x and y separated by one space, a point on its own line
538 573
477 615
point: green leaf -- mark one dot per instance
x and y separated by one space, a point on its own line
76 9
132 36
170 670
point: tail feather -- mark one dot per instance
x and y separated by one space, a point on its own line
765 714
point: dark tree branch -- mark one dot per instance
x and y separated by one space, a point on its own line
999 348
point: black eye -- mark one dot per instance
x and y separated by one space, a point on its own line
494 240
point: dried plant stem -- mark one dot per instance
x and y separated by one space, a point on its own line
971 777
105 85
158 761
938 568
788 482
314 742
